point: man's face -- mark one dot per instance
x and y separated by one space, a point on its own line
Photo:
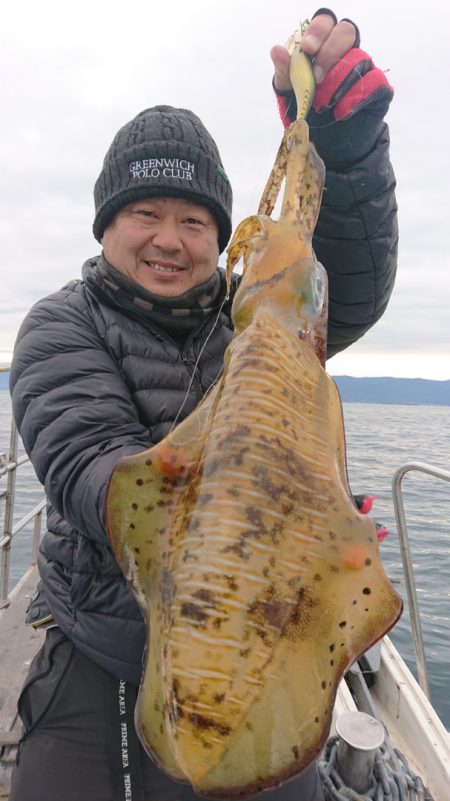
167 245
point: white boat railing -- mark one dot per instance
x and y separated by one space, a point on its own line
405 550
9 464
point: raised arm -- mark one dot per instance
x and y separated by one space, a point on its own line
356 235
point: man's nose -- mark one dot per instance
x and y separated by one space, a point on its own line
167 235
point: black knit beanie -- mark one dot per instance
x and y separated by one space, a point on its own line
164 152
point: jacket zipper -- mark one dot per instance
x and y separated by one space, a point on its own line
193 373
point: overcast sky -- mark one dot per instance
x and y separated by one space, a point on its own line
72 74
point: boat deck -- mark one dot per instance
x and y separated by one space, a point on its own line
19 645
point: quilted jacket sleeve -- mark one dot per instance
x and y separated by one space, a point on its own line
356 240
72 408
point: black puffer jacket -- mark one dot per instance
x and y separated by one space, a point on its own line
91 384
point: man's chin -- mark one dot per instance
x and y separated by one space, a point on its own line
166 289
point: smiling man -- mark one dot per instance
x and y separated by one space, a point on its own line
103 369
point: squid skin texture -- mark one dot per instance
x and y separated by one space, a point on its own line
259 580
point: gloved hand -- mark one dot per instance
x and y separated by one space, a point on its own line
364 504
352 95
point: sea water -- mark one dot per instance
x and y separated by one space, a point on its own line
380 438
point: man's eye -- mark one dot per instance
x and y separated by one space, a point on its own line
194 221
146 213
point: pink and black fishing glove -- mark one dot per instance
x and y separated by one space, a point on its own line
364 504
348 108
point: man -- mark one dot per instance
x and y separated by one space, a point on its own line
104 367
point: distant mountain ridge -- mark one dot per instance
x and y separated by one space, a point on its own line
397 391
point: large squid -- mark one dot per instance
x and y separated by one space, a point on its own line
259 580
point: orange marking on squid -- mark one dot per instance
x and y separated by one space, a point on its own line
170 460
355 556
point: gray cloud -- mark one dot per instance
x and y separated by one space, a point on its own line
69 84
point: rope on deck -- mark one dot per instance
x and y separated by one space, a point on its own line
393 780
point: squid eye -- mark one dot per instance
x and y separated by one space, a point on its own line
318 293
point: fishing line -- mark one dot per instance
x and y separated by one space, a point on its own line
225 300
194 370
267 163
202 349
